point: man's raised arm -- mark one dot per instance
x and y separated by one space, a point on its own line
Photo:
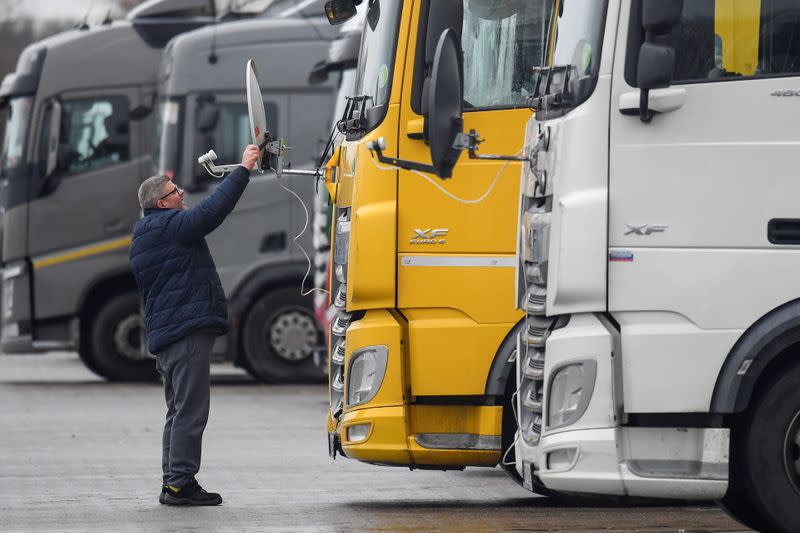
197 222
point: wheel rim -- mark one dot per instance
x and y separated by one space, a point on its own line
127 340
293 336
792 452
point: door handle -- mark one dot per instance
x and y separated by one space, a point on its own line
661 101
784 231
415 128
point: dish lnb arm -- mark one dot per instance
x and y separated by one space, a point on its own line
218 171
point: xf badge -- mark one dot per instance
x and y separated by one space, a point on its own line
429 236
645 229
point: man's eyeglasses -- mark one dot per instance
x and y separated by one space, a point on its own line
170 193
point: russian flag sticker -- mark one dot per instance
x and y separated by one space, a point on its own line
624 256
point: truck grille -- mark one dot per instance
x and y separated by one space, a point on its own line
341 321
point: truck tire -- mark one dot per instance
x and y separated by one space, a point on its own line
764 487
113 345
279 335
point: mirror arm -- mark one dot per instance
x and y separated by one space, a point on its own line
378 146
470 142
645 113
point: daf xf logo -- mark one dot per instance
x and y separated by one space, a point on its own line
429 236
645 229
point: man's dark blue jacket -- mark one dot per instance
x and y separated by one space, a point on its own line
177 278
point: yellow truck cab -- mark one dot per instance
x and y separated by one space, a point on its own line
423 344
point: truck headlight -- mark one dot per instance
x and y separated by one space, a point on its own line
536 242
570 390
341 241
341 274
365 375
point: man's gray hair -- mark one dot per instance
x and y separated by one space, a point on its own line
151 190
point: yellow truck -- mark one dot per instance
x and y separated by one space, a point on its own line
423 345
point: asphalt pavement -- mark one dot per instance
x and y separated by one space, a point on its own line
80 454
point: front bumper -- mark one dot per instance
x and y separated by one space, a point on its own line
687 465
402 433
389 441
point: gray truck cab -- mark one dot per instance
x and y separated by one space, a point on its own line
201 106
78 143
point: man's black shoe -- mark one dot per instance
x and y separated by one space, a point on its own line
162 498
191 494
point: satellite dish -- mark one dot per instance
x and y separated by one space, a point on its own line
445 104
255 107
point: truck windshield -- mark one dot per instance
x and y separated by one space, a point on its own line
12 156
376 58
575 43
168 149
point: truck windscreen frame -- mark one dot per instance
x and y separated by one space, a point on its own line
575 44
376 59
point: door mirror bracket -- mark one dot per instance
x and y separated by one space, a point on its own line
657 54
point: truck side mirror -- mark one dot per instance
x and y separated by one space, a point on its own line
207 116
444 123
140 113
340 11
445 104
657 54
318 74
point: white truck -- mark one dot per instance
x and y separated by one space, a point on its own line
658 253
658 257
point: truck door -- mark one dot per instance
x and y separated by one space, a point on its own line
704 195
502 41
90 201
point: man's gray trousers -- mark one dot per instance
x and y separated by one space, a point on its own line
186 368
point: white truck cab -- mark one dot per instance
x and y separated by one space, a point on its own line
659 257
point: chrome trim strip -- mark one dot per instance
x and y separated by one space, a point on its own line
502 261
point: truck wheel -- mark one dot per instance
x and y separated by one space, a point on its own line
279 335
114 344
765 479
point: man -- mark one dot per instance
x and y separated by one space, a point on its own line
184 310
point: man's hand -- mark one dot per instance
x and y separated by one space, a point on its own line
250 156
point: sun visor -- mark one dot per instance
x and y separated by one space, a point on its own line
172 9
158 21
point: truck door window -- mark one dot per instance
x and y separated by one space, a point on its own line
719 40
94 134
502 42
